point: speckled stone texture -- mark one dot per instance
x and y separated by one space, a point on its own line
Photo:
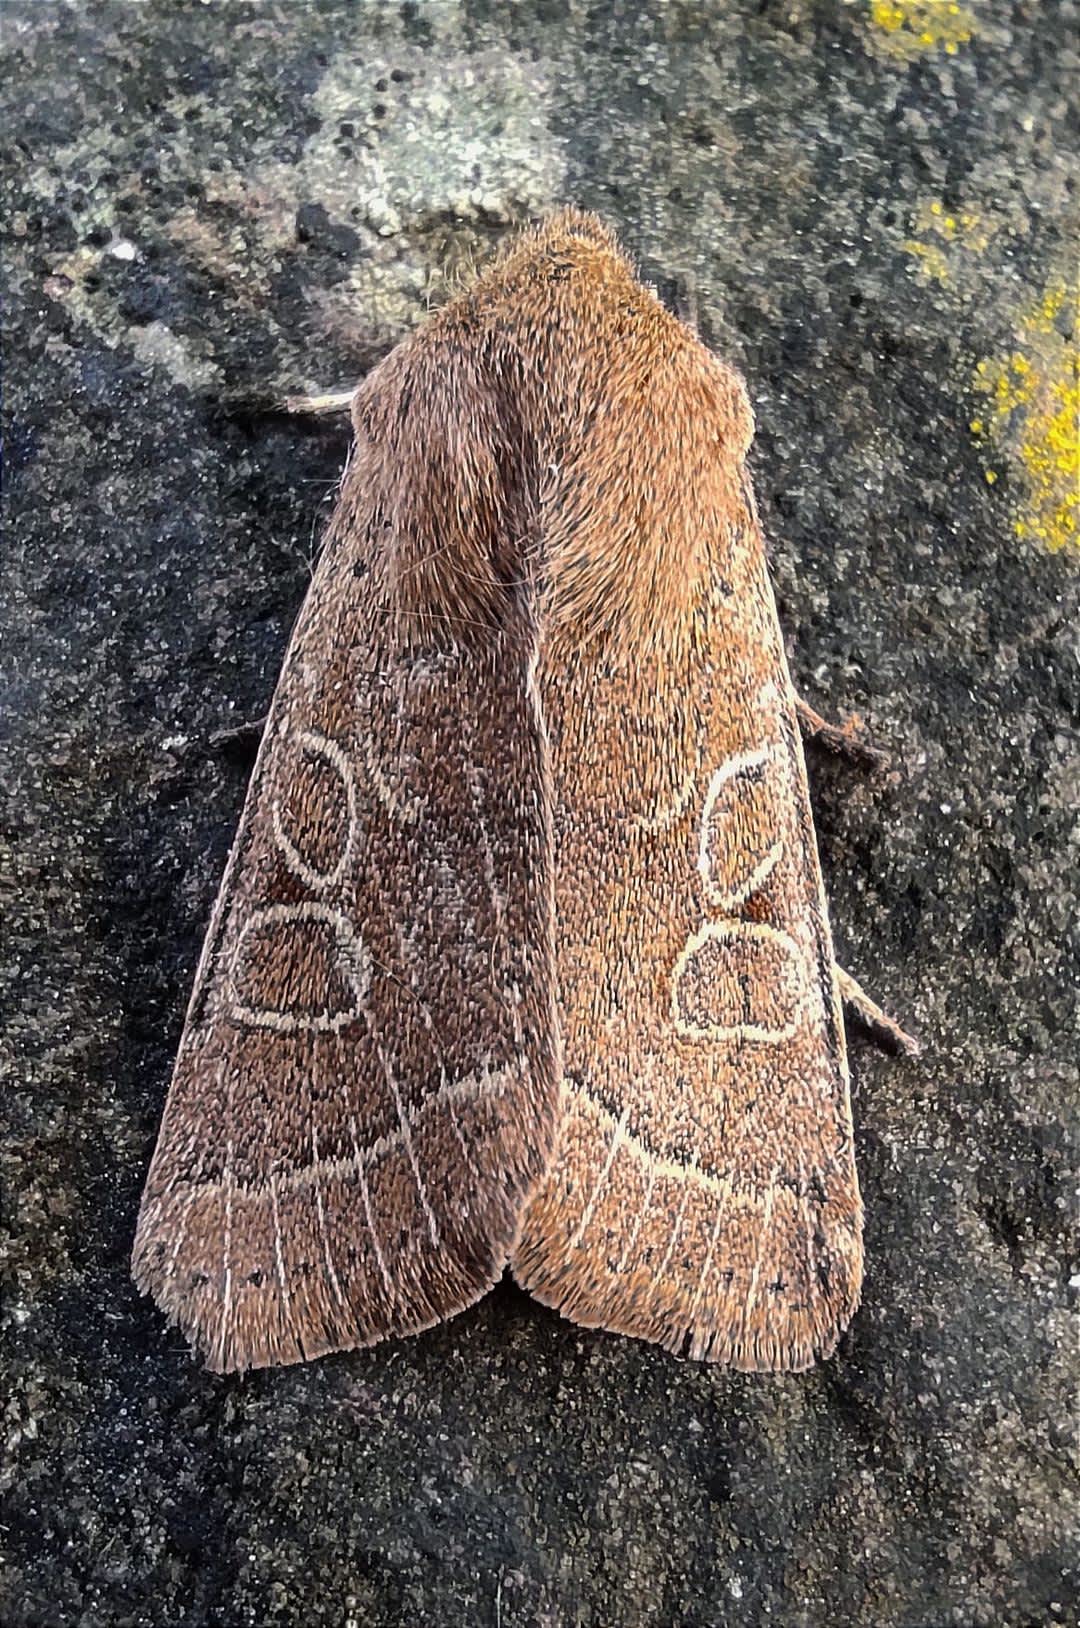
868 207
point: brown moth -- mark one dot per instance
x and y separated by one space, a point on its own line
522 951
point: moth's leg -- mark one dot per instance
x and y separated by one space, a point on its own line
843 739
333 401
240 741
885 1030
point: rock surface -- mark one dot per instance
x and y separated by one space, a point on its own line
870 208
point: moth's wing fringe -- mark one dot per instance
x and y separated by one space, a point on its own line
715 1332
754 1353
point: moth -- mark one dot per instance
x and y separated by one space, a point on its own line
522 953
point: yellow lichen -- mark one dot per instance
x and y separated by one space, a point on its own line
939 239
931 261
1033 415
911 28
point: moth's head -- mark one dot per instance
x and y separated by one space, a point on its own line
568 238
577 223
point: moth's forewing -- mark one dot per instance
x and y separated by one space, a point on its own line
704 1194
366 1086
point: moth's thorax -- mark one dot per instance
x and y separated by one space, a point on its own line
590 448
640 438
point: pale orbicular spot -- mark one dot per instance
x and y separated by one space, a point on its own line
314 822
739 980
738 847
298 969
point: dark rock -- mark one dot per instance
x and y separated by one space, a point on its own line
313 225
